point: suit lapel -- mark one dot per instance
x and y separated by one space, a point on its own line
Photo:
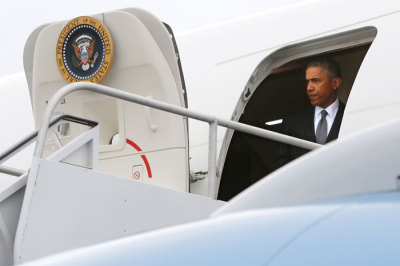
334 132
310 130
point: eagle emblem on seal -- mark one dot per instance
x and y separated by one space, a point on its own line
84 49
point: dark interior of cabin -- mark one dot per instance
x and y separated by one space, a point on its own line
282 92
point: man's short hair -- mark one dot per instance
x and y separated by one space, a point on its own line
329 64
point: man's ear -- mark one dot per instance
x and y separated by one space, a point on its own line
336 83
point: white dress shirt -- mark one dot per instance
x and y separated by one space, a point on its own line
330 117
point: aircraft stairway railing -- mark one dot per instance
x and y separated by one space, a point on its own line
27 140
13 190
210 119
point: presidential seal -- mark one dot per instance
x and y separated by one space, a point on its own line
84 50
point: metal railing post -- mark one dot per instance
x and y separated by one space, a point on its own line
212 159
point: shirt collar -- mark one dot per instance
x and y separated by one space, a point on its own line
331 109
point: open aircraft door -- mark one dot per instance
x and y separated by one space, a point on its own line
129 50
275 89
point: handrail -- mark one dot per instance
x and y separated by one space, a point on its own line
212 120
31 136
11 171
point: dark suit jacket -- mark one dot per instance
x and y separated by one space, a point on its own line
301 125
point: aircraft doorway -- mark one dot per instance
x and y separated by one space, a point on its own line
272 93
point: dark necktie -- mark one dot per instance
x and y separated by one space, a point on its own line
322 128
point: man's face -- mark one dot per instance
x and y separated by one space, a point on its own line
321 89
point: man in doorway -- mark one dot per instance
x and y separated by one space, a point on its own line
321 121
